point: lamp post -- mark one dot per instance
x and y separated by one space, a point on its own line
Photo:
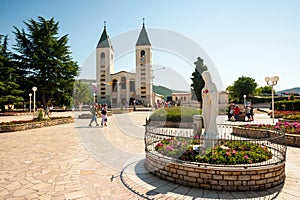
245 100
34 89
30 102
95 97
272 81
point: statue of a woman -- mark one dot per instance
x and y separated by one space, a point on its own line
209 110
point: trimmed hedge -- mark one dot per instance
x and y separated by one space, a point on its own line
287 105
175 114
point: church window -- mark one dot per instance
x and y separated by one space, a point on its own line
142 53
123 82
132 85
102 56
115 86
143 74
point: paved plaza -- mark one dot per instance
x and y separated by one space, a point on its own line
75 161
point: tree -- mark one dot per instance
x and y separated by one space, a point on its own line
81 93
44 61
243 86
266 90
198 82
9 89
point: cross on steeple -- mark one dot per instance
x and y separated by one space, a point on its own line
104 24
143 21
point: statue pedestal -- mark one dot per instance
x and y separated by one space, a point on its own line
198 125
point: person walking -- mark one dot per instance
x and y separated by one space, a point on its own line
94 112
104 115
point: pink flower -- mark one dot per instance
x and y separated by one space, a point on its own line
169 148
246 157
234 152
228 153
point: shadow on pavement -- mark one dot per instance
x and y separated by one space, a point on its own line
140 181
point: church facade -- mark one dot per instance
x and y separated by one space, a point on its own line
121 88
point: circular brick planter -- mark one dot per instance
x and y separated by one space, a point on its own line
216 178
238 177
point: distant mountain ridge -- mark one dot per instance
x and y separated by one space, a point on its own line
295 90
166 92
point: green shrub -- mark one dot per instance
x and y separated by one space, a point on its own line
287 105
175 114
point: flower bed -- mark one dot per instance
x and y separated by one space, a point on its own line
226 152
292 136
31 124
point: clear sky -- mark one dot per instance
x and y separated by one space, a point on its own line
252 38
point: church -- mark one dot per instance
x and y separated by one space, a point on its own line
121 88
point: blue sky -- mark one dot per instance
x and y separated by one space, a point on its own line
242 38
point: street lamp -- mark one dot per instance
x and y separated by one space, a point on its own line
272 82
30 102
34 89
244 100
95 97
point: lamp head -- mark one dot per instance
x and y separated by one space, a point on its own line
267 79
34 89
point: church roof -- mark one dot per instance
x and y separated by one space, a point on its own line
143 38
104 41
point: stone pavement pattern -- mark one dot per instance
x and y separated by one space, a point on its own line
75 161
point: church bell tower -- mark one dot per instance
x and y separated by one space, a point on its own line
144 77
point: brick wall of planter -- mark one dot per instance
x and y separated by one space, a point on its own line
216 178
290 139
32 125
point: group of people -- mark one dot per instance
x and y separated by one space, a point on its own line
234 113
95 108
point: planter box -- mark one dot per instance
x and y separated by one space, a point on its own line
32 125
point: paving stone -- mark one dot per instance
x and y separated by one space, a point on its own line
75 195
57 163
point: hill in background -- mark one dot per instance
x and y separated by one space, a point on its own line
295 90
166 92
162 90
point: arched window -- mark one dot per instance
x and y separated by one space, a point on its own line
102 56
115 86
123 82
132 85
142 53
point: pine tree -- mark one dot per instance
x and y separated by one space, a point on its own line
9 88
198 82
44 61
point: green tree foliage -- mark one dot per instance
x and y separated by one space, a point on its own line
81 93
198 82
9 89
242 86
263 91
44 61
